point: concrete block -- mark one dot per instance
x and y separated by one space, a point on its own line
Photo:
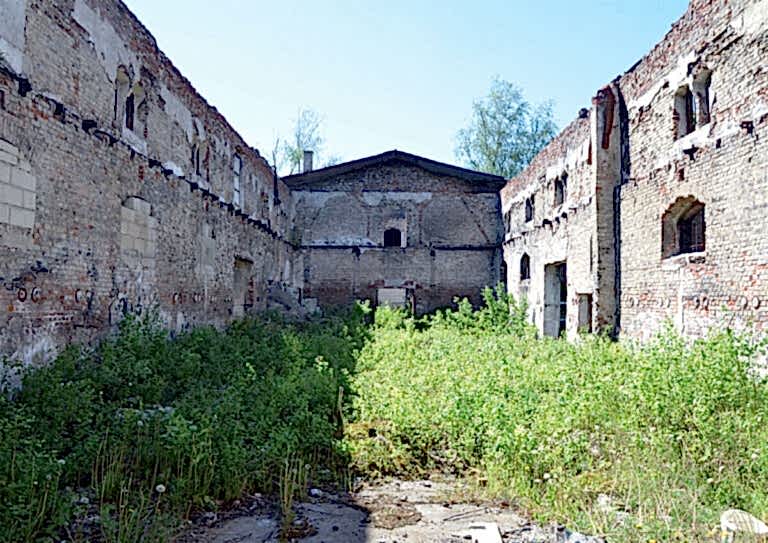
11 195
126 243
127 215
138 205
139 245
5 173
23 180
5 213
8 158
7 147
24 218
30 199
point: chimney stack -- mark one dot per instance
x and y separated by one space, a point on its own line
307 161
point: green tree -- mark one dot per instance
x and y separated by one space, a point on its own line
505 132
306 135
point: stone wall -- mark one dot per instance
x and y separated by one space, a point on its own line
681 134
449 235
121 189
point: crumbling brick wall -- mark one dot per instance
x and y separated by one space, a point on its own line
676 141
449 234
121 189
722 163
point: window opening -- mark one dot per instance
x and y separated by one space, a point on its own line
392 237
525 267
237 166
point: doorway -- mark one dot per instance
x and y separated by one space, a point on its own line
555 299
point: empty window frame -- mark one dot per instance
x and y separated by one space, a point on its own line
237 167
525 267
690 230
561 189
529 209
392 237
701 84
684 228
685 112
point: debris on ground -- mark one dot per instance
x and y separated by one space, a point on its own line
395 512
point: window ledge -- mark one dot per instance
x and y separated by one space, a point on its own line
679 261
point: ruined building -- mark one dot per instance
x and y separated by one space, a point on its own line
652 206
385 228
123 191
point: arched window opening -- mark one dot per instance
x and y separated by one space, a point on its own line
392 237
685 112
525 267
701 84
683 228
529 209
508 221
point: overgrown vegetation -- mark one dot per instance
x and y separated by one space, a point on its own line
633 442
145 429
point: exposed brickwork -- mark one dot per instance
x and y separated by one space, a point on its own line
449 226
645 160
98 220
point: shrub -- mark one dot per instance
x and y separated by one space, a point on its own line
205 416
671 432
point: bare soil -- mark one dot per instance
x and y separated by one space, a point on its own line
397 511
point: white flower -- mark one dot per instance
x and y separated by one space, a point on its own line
160 489
754 456
710 481
61 461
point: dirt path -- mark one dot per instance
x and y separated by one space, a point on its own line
404 512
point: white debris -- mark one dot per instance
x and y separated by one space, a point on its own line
736 520
481 532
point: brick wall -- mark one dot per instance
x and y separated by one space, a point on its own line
450 234
723 164
682 128
98 219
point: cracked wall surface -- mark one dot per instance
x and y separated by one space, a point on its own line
102 215
636 171
450 236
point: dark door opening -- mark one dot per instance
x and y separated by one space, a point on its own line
555 299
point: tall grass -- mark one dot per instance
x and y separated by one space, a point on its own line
669 433
635 442
146 429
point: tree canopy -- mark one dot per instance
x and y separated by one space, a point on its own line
306 135
505 132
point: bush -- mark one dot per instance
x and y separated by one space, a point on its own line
203 417
670 432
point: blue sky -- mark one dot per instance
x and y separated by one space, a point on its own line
396 73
